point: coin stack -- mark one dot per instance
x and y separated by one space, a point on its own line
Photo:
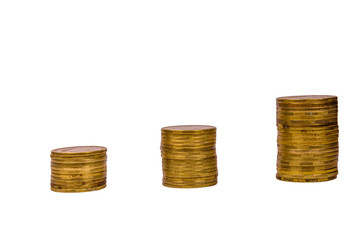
307 138
189 156
78 169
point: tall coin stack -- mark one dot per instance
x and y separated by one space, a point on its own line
189 156
78 169
307 138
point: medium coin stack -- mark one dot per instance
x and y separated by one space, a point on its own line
189 156
307 138
78 169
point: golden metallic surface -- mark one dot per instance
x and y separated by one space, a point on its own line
96 176
307 139
308 176
306 180
189 156
69 190
78 169
195 184
189 129
307 168
79 150
78 157
306 98
170 147
312 157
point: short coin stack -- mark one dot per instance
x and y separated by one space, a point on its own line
189 156
78 169
307 138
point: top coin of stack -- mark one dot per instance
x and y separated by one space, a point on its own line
189 156
307 138
78 169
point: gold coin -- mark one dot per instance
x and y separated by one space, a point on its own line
298 110
203 163
291 159
310 156
189 185
190 161
204 149
304 160
79 162
305 137
77 165
307 112
73 182
57 189
304 107
76 187
305 180
202 167
193 179
187 145
189 156
191 176
77 171
315 142
297 174
309 178
306 98
77 157
282 166
79 150
84 188
289 124
290 115
293 172
304 121
310 167
307 163
188 142
189 129
190 181
78 176
308 148
306 129
293 101
188 137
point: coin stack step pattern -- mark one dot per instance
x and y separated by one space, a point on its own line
189 156
307 138
78 169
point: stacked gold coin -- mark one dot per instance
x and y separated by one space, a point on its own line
78 169
307 138
189 156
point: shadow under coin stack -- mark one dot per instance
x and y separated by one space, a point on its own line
307 138
189 156
78 169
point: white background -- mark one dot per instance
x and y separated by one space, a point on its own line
113 73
